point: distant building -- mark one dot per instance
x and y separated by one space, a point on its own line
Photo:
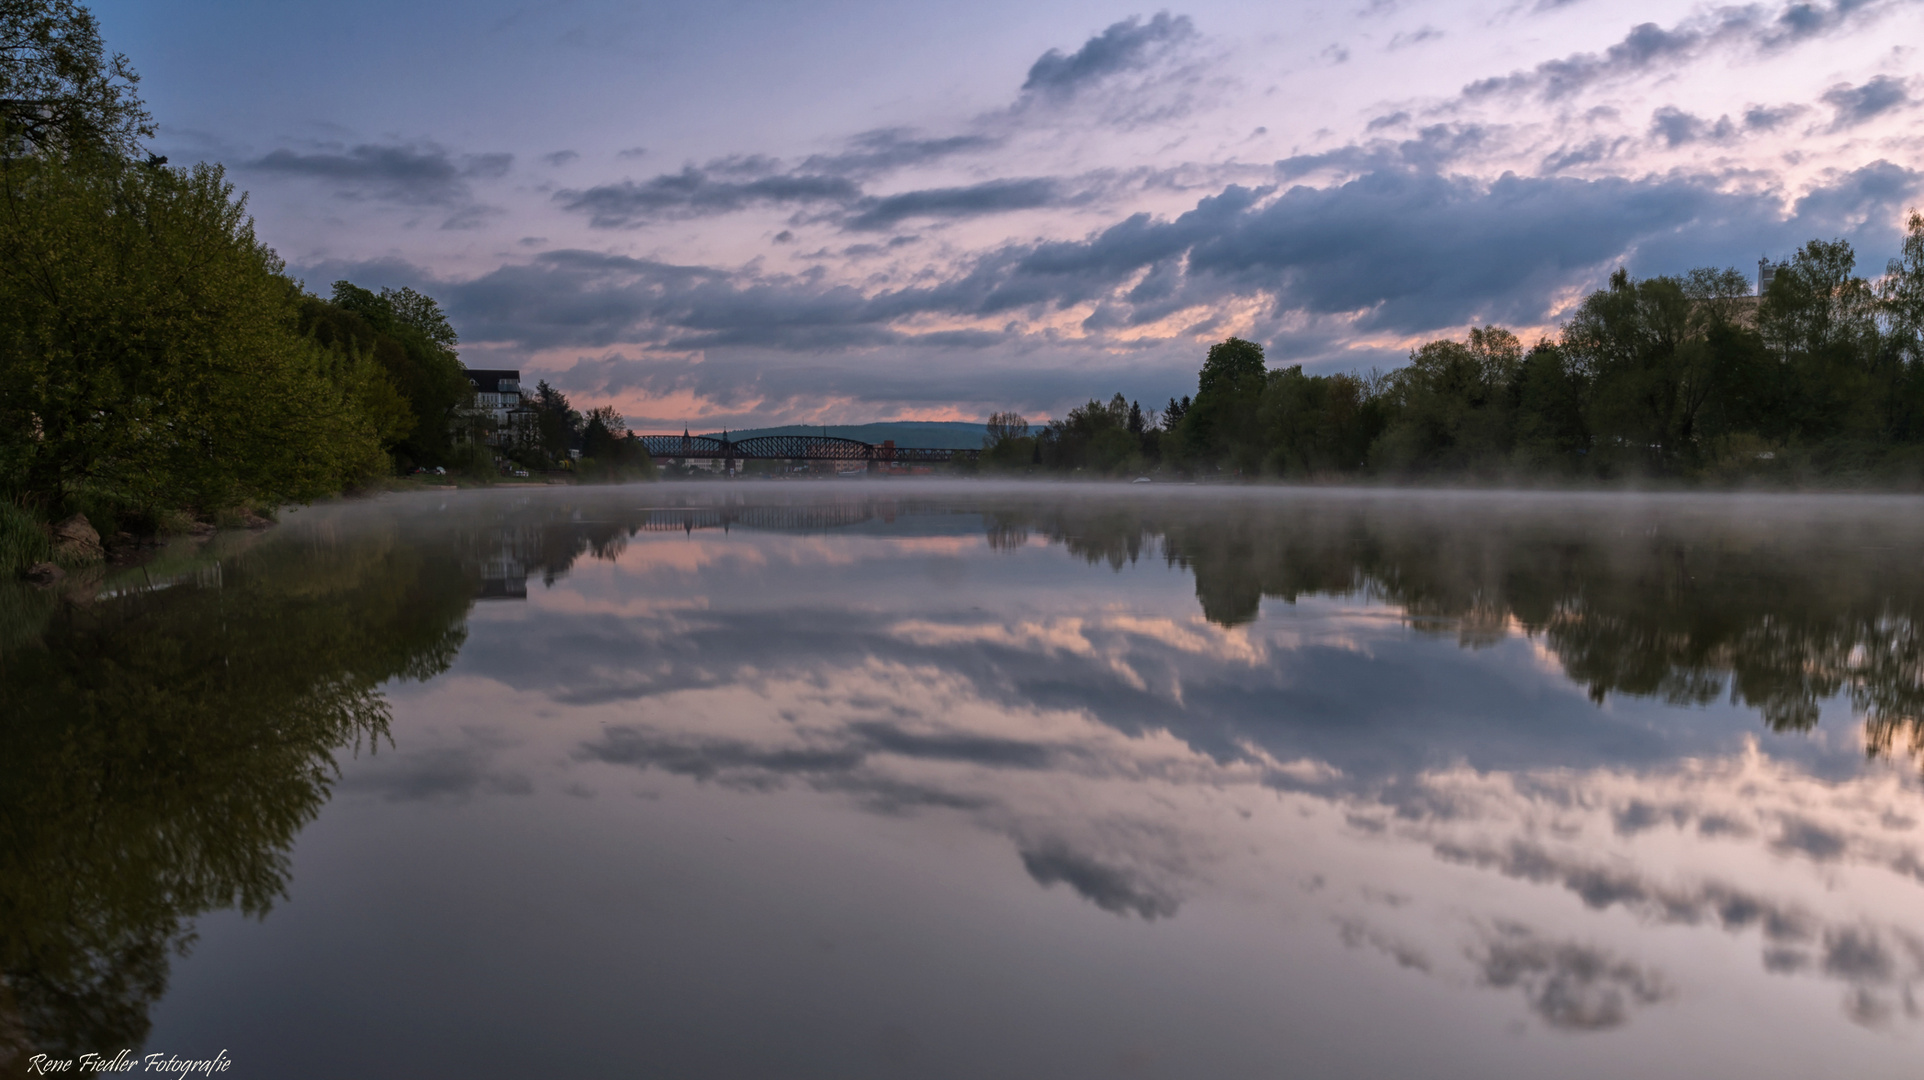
1766 273
509 419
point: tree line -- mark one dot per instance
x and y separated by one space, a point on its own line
157 363
1686 377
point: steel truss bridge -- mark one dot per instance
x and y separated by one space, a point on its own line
798 448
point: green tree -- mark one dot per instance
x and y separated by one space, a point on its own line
149 351
1093 436
556 423
609 451
1221 424
60 93
1550 433
1316 424
1451 407
421 360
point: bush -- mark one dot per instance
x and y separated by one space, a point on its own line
23 541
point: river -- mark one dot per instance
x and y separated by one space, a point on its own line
879 779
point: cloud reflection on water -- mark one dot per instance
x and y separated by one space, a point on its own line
1101 730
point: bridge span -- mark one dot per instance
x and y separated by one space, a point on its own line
798 448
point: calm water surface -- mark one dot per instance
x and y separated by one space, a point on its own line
962 781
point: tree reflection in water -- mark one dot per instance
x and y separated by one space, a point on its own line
165 745
1781 607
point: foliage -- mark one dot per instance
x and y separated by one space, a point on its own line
1686 377
610 452
414 344
1222 421
153 357
59 90
557 425
22 541
149 347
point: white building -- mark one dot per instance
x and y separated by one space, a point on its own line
509 417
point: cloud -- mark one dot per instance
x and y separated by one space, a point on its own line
699 192
1810 839
424 173
1111 888
1770 118
730 184
560 158
1648 46
1413 37
1405 250
1125 46
1569 986
989 197
888 149
1433 148
1856 104
445 773
1677 127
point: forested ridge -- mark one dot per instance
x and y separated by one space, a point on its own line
1687 378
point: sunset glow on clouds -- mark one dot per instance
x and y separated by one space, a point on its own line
725 215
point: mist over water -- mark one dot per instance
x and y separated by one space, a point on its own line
880 779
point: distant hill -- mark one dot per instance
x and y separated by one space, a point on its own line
940 434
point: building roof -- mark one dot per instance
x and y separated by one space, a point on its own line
492 380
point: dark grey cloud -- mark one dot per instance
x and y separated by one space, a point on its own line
989 197
1858 954
888 149
1645 45
422 173
829 182
1771 117
1810 839
850 749
1588 152
1397 248
1649 47
1863 193
1677 128
472 216
1124 46
1570 986
1639 816
700 192
1115 889
730 762
1600 887
842 765
1856 104
1357 934
1433 148
561 157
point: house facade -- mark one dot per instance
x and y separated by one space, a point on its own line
505 417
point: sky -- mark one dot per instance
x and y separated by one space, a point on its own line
745 212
